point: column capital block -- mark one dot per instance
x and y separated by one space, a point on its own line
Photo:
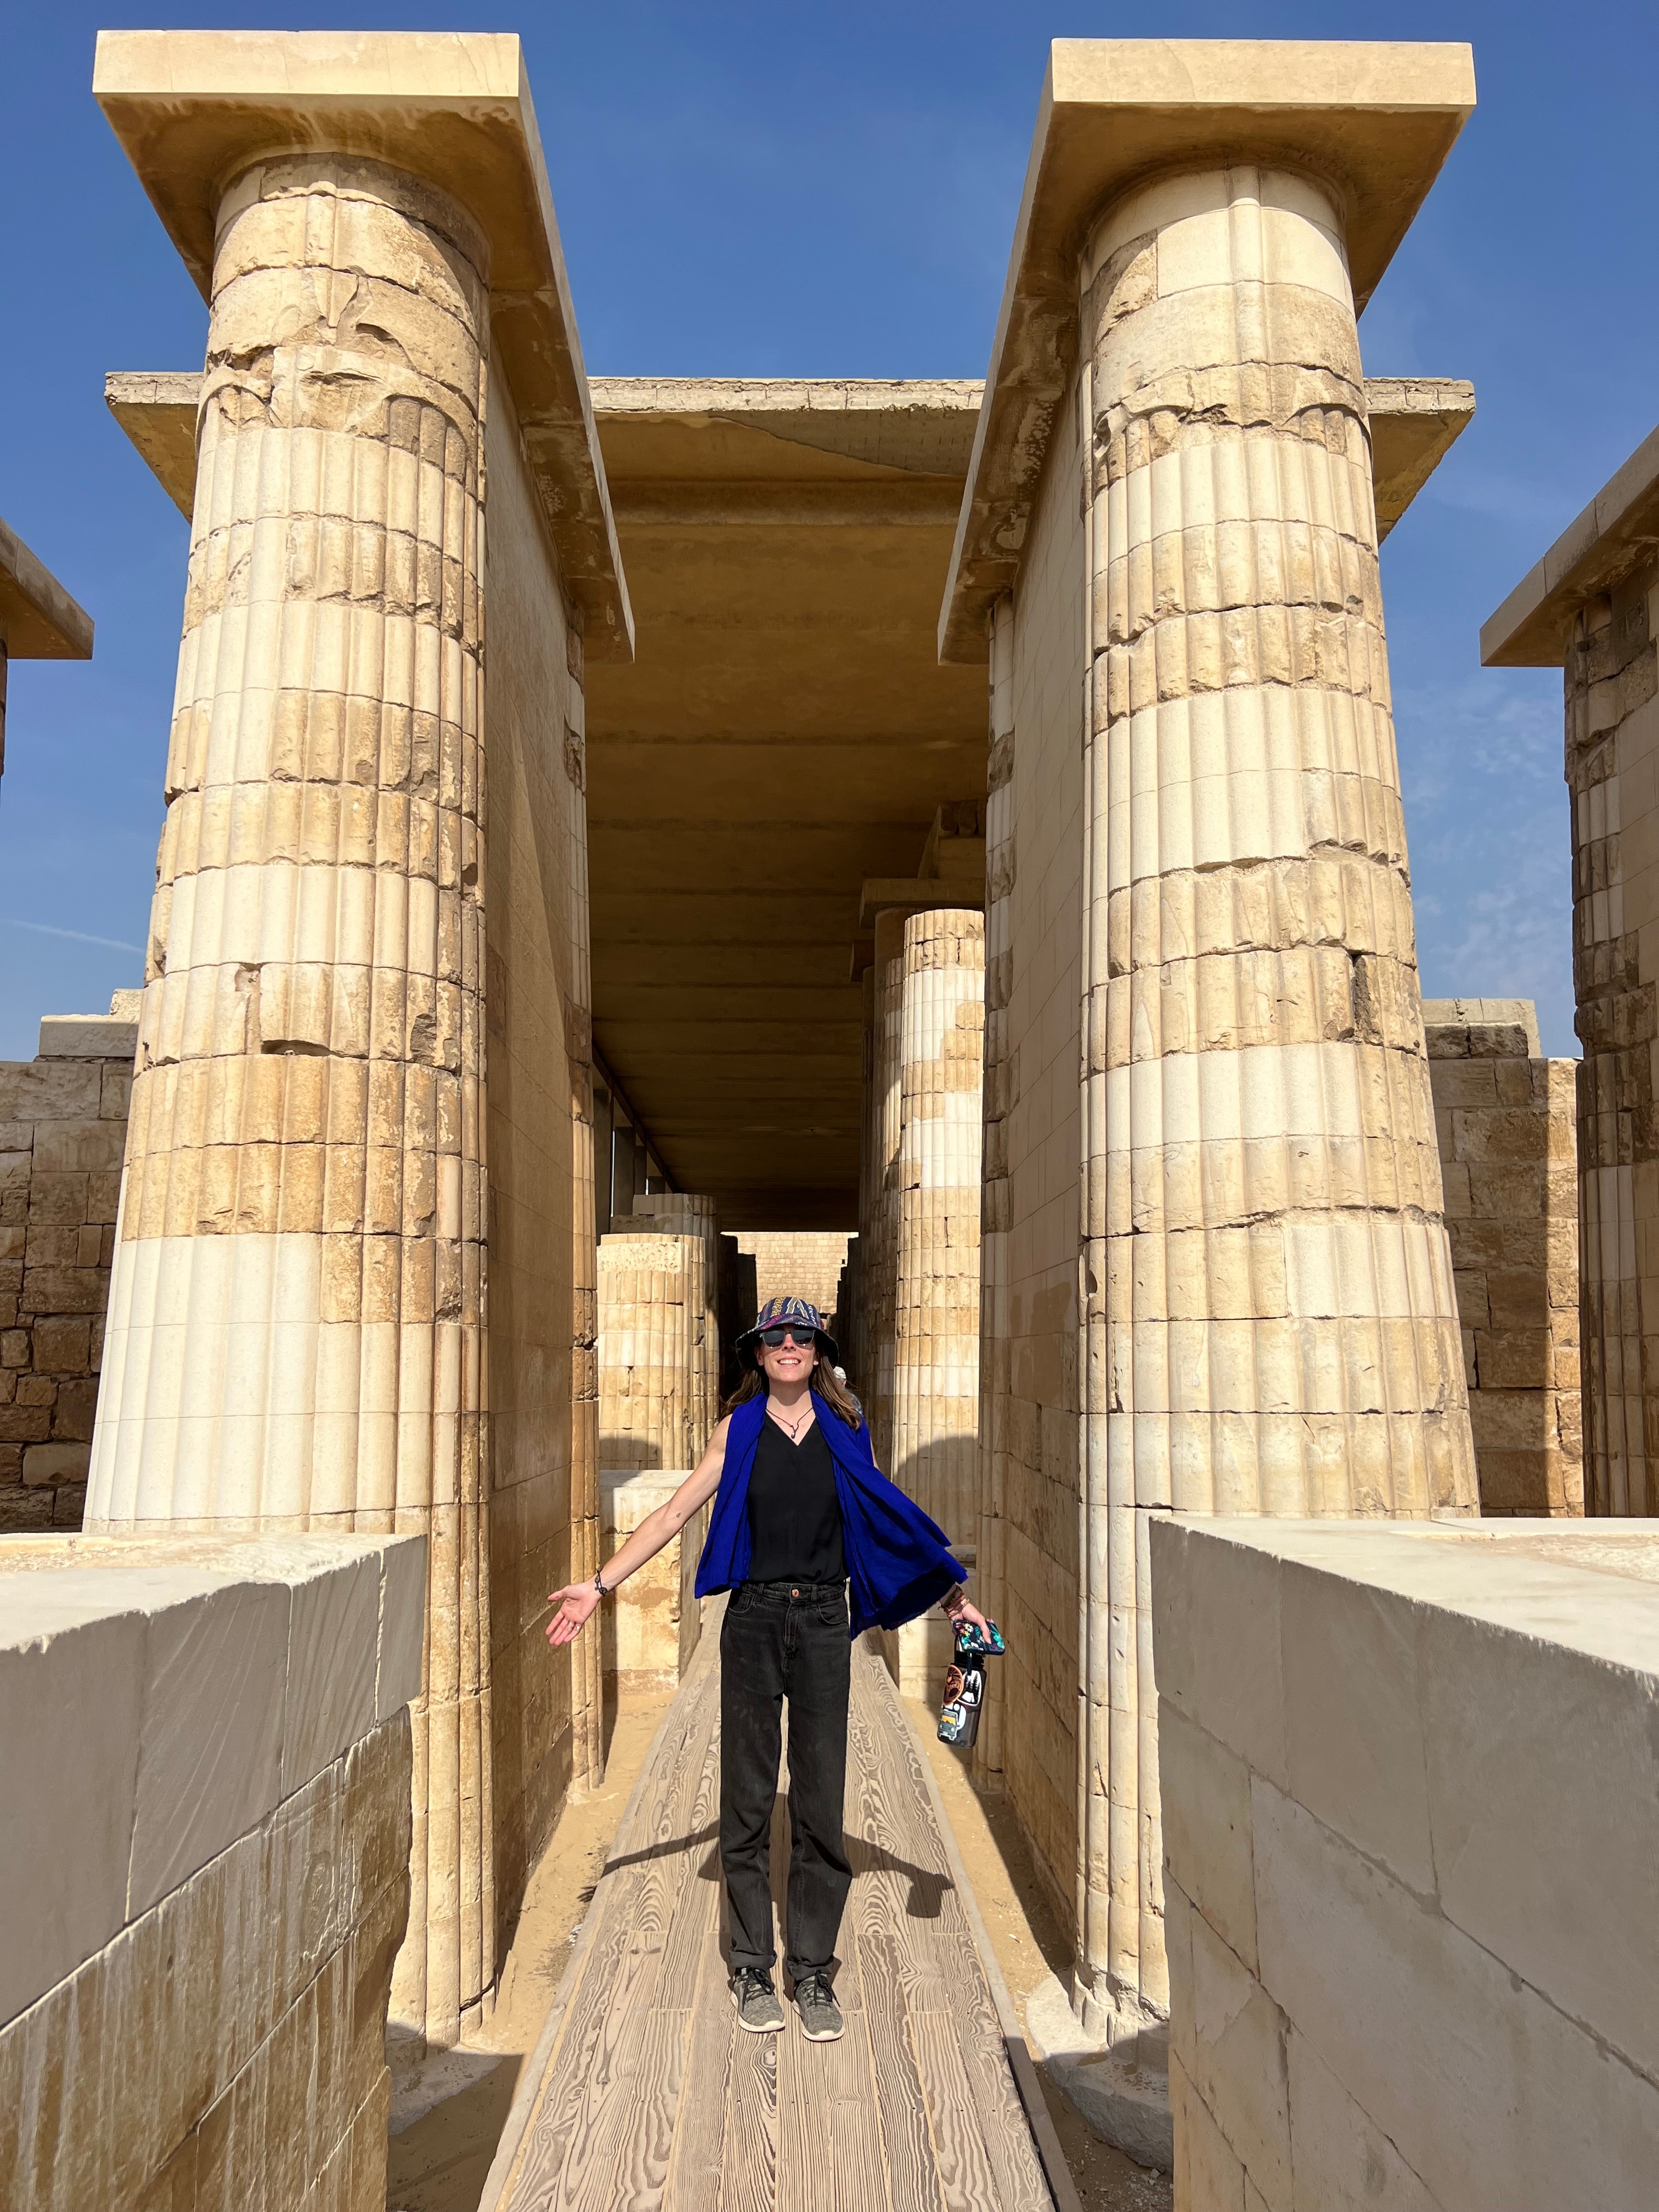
1375 122
193 108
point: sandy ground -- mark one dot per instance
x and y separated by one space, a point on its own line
448 2110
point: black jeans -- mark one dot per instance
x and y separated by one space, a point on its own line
782 1640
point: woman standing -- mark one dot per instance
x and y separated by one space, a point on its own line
816 1545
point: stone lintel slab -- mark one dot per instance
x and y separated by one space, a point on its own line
1375 121
1617 534
158 413
869 432
88 1037
1415 422
914 894
39 621
192 108
768 428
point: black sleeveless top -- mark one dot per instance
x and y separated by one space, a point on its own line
794 1513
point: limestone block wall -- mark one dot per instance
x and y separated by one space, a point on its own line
1505 1118
542 1384
1390 1758
63 1128
1034 875
651 1629
205 1829
804 1263
1000 1069
648 1402
1610 678
1271 1325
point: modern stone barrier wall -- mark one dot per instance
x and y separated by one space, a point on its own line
652 1628
206 1832
1410 1791
1506 1121
62 1126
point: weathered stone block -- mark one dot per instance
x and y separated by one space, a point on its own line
55 1463
56 1200
1209 1855
63 1345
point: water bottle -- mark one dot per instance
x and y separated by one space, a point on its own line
964 1683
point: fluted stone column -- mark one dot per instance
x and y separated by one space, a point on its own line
1001 1084
295 1320
690 1216
648 1408
1270 1319
935 1446
886 1122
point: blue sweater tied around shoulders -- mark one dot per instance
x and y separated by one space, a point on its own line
898 1561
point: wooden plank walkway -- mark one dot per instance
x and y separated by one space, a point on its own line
644 2096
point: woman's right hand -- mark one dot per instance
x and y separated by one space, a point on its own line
576 1601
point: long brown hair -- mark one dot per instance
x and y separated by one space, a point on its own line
834 1392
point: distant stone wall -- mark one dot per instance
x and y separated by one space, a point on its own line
806 1265
63 1129
1505 1118
205 1832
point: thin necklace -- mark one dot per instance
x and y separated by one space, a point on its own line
795 1429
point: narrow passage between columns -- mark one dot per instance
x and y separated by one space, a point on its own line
643 2091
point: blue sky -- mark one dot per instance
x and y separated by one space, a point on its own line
753 191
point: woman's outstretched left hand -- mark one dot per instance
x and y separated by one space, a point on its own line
967 1616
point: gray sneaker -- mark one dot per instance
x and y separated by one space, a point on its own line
820 2015
757 2001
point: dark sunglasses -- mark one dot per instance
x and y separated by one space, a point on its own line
776 1338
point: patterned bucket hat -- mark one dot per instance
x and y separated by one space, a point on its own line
788 1313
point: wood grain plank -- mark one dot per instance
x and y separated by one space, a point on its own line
943 1976
907 2146
696 1907
983 2032
648 2140
966 2178
548 2133
632 1902
602 2106
693 2181
748 2150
